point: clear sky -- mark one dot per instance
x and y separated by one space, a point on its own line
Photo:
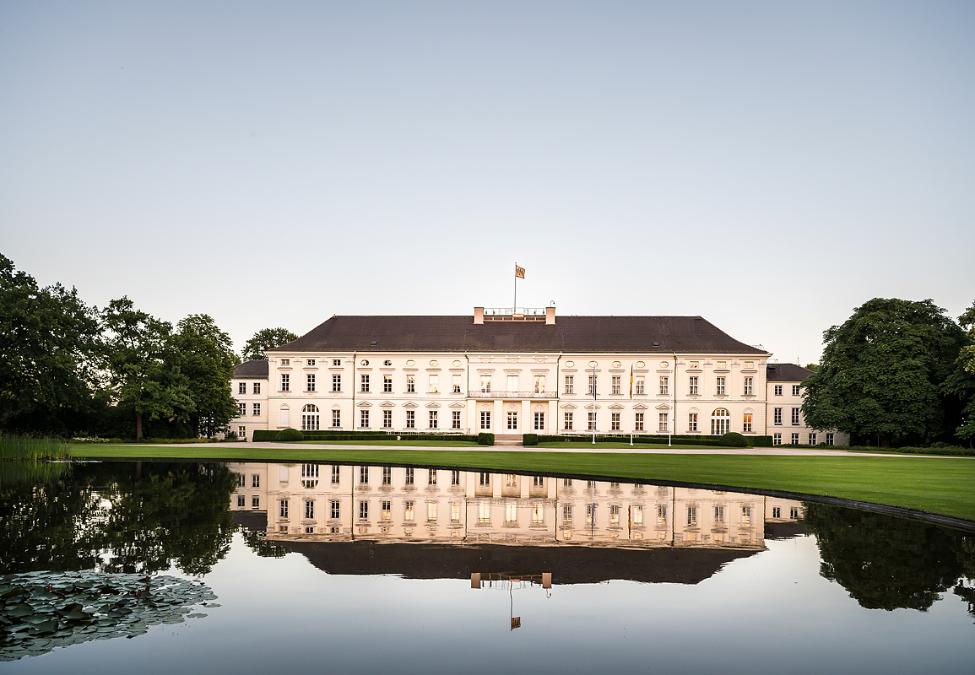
767 165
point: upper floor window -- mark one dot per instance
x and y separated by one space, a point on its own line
777 416
387 384
749 385
336 382
570 384
285 382
795 390
311 362
615 384
336 363
256 388
639 385
592 385
777 390
720 385
795 417
310 378
364 383
455 384
433 384
692 385
485 384
411 384
664 385
539 386
242 388
241 409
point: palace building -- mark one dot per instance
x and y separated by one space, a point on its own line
528 371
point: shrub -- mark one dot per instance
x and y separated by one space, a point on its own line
289 434
484 438
734 440
529 439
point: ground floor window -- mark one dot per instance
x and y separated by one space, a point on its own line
829 439
720 421
242 433
364 419
410 419
795 439
592 422
539 421
486 419
746 422
614 421
692 421
776 439
512 420
638 422
567 421
455 419
434 419
387 419
363 510
812 438
309 418
335 508
662 422
336 418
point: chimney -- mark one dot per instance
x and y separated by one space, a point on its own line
478 315
550 316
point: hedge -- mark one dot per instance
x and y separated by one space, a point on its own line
529 439
296 435
485 438
731 439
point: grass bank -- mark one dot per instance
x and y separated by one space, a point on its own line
610 445
405 442
944 486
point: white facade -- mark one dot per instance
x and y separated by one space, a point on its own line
786 423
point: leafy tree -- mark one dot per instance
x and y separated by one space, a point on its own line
265 339
141 367
961 384
49 344
882 372
204 354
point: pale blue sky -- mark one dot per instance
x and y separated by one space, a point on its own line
766 165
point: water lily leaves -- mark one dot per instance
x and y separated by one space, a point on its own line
18 611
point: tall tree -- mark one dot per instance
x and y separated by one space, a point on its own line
49 344
204 354
961 383
141 367
265 339
882 372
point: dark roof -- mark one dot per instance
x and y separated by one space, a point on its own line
568 564
252 369
575 334
786 372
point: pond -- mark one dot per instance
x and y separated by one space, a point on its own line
252 567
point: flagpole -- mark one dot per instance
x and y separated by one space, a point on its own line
514 310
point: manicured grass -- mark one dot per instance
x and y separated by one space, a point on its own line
938 485
394 442
610 445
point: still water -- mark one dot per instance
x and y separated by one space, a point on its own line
254 567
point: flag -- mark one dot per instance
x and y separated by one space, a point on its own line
631 380
519 272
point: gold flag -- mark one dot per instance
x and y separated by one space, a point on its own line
519 272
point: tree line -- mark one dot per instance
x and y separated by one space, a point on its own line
69 368
897 372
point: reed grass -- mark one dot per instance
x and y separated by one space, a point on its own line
13 447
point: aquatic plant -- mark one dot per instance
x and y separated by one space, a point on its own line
32 448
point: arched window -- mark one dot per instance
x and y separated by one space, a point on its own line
309 418
720 421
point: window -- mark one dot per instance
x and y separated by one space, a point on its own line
409 511
777 416
364 383
309 417
242 432
336 419
242 388
455 384
411 419
310 362
720 421
614 515
455 512
567 482
664 385
334 509
692 385
777 439
433 384
746 514
433 419
720 385
795 417
455 419
567 513
485 384
387 384
639 385
285 362
795 439
241 409
539 421
746 422
283 508
241 501
309 508
431 511
364 475
255 502
336 382
777 390
455 477
309 475
485 419
615 383
592 385
364 419
590 513
661 514
829 438
256 387
256 480
386 510
812 438
411 384
310 382
512 418
538 481
567 421
794 512
662 421
432 477
538 513
539 385
637 515
692 421
591 419
285 382
749 385
410 476
570 384
638 421
484 479
484 513
776 512
256 409
336 363
363 510
719 514
795 390
336 474
387 419
691 516
614 421
387 478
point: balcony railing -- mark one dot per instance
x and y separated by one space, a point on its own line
513 394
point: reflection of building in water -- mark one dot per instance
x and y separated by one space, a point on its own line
331 502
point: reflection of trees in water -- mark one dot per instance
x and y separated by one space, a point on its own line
888 563
256 542
149 516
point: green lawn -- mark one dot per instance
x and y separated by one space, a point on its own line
609 445
394 442
937 485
